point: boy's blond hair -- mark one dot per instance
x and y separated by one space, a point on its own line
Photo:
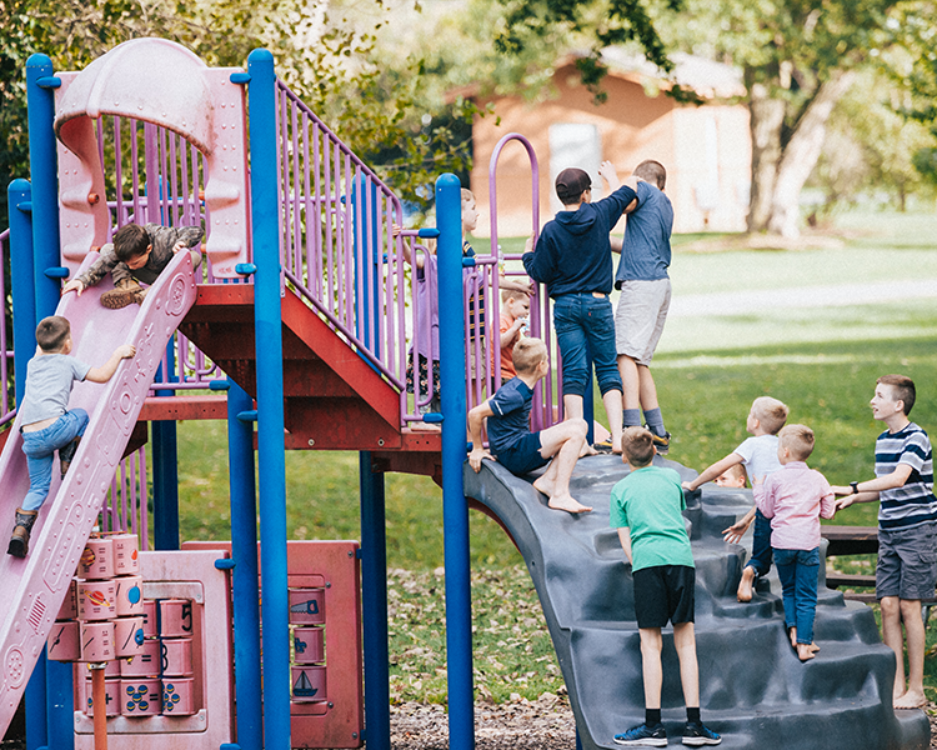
468 196
637 445
770 413
798 439
52 332
903 389
507 294
736 472
653 172
528 354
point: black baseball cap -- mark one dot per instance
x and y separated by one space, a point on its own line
571 184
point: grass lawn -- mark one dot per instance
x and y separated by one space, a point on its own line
822 362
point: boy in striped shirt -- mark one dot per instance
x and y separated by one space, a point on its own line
907 528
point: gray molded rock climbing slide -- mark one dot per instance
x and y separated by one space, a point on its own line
753 689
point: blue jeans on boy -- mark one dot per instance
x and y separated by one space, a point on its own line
761 546
40 446
584 323
798 570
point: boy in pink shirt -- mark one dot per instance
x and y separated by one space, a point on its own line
794 499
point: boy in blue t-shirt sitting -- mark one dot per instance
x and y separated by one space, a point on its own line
516 447
45 421
646 509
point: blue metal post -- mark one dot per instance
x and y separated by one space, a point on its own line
47 253
374 602
19 196
166 468
455 507
244 577
271 451
365 214
43 167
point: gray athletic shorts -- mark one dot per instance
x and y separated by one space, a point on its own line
907 562
639 319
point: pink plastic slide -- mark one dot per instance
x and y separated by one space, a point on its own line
32 589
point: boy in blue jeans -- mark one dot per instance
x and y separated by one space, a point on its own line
573 258
46 424
646 508
759 455
518 449
907 529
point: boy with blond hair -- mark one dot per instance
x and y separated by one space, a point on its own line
733 477
759 454
518 449
46 422
515 309
907 528
794 499
646 509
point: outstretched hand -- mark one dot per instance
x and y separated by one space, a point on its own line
476 456
608 172
73 286
734 534
126 351
844 502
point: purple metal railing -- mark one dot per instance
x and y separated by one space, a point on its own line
125 506
7 397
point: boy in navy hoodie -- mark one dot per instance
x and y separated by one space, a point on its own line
573 258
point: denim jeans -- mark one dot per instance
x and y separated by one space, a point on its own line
586 324
799 570
40 446
761 546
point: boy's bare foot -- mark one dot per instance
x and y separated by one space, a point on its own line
805 651
587 450
568 503
911 699
544 485
744 594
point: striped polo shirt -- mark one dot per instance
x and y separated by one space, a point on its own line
914 503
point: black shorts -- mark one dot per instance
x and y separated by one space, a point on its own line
662 593
523 456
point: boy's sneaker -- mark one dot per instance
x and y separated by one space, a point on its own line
697 735
128 292
604 447
661 443
643 735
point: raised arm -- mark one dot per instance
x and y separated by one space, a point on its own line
106 371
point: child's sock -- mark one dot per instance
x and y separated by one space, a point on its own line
652 716
692 715
655 421
631 418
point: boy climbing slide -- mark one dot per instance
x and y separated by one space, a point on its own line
46 423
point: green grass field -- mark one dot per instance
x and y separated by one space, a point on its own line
822 362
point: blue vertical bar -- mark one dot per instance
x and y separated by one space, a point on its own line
43 168
455 507
166 468
271 451
374 602
47 253
246 590
19 196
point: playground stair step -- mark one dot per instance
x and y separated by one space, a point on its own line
753 688
334 397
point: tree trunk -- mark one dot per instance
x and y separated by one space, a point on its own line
767 116
801 154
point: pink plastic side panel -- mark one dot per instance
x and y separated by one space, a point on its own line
33 590
160 82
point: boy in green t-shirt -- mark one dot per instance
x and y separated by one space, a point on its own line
646 509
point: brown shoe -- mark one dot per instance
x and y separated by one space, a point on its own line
127 292
66 454
19 541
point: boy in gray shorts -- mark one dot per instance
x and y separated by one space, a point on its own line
645 295
907 528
